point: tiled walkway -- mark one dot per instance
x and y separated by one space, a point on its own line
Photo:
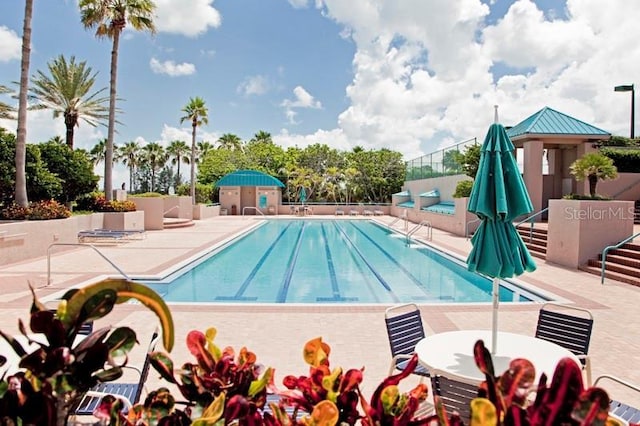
356 334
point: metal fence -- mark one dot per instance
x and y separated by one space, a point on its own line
439 163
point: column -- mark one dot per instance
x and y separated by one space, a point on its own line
532 173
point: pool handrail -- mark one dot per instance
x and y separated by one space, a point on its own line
251 207
528 219
606 251
426 224
94 248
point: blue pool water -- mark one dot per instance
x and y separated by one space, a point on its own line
329 261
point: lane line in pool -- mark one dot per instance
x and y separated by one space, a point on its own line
369 265
332 275
394 261
254 271
284 289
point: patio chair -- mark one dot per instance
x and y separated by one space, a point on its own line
339 211
619 409
454 395
128 393
405 330
572 332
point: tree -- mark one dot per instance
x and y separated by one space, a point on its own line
154 157
73 168
21 197
6 111
262 136
594 167
196 112
66 91
110 17
98 151
203 148
230 141
129 155
179 152
470 159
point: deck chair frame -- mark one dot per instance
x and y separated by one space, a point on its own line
404 329
128 393
625 412
455 395
572 330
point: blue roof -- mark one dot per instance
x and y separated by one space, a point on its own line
551 122
248 178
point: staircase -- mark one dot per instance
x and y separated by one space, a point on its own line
536 240
170 223
636 213
623 264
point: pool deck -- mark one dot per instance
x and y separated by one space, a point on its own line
355 333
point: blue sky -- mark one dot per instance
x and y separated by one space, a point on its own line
410 75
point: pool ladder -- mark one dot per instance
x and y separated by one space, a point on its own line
415 229
94 248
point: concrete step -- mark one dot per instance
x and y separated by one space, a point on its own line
170 223
534 241
633 254
537 249
612 275
617 267
535 231
621 260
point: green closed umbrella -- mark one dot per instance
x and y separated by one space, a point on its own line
497 198
303 195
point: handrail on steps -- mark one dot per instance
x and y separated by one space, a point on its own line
424 223
251 207
528 219
404 216
172 208
94 248
606 250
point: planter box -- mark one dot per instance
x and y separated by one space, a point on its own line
178 207
202 211
580 229
124 221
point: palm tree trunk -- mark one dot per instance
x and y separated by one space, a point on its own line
593 181
69 124
193 161
21 139
108 155
131 179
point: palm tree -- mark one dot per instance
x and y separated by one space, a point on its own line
155 158
179 152
593 166
262 136
196 112
6 111
21 197
129 155
97 152
202 149
110 17
66 91
230 141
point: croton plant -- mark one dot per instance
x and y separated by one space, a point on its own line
223 386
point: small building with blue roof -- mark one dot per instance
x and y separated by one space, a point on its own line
249 191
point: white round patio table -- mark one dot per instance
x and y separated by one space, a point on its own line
451 353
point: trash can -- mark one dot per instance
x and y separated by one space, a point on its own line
234 210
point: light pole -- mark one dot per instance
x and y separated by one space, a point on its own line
629 88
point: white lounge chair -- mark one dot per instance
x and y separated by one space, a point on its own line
339 212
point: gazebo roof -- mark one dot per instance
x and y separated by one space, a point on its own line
548 121
248 178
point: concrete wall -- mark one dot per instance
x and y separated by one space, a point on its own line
455 223
330 209
445 184
123 221
201 211
31 238
178 207
153 208
579 229
625 187
229 197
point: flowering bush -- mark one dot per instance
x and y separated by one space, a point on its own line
97 202
37 210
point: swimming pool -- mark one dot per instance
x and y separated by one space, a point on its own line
329 261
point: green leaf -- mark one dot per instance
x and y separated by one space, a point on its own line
258 385
121 341
163 365
109 375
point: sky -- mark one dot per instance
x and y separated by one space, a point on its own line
413 76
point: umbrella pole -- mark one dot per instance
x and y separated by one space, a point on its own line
494 323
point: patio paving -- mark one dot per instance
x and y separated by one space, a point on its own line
355 333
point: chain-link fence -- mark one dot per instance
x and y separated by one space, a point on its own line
443 162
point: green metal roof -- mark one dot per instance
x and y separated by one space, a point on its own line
551 122
248 178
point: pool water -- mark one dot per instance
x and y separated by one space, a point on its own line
329 261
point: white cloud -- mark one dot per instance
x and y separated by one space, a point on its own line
187 17
10 45
171 68
303 99
253 85
299 4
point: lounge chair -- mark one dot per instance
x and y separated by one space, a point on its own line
339 211
353 212
377 212
618 409
405 330
128 393
572 332
367 212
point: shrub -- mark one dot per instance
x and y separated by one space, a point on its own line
586 197
150 194
204 193
625 160
97 202
463 189
37 210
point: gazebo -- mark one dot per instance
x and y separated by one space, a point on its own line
564 139
249 191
